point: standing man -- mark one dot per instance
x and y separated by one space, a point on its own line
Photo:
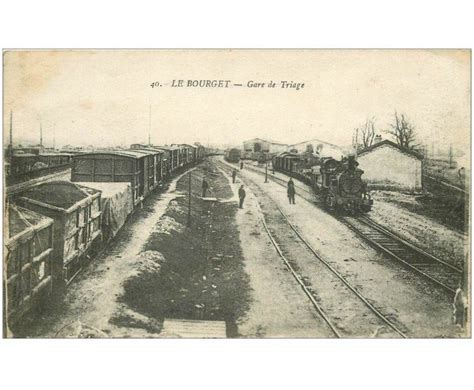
241 196
241 165
291 192
205 186
234 174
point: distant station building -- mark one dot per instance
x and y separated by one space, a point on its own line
389 166
259 146
318 148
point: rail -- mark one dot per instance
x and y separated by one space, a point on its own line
329 266
430 267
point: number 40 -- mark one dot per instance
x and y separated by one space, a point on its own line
155 84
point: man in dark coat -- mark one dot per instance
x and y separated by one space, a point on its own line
241 165
234 174
241 196
291 192
205 186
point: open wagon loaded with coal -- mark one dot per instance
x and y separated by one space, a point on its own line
76 212
28 257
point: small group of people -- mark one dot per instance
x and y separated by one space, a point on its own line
291 192
242 194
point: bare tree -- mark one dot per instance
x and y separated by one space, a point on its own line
403 132
365 134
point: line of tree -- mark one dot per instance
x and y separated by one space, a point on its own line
364 135
402 131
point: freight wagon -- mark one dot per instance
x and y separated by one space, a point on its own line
114 166
232 155
76 213
28 258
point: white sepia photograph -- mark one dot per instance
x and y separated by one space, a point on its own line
236 193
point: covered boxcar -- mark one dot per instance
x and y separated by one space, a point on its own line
160 156
200 151
174 153
151 167
232 155
28 257
76 213
183 154
113 166
192 153
21 163
52 159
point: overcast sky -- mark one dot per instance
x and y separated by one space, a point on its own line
103 97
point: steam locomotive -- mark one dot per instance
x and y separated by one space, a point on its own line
342 188
338 184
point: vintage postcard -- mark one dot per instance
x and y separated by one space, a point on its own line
236 193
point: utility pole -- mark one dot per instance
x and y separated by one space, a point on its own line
266 171
149 127
451 156
189 199
11 129
10 146
41 134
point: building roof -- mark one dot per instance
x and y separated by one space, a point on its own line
392 144
264 140
316 140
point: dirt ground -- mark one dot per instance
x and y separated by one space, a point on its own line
223 267
418 220
92 301
411 302
196 272
278 306
401 213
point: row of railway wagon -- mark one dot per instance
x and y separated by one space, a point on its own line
236 155
339 184
23 164
55 228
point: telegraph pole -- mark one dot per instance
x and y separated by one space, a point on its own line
451 156
266 171
11 129
149 126
41 134
189 199
10 146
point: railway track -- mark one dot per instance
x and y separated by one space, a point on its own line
440 273
285 253
444 275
